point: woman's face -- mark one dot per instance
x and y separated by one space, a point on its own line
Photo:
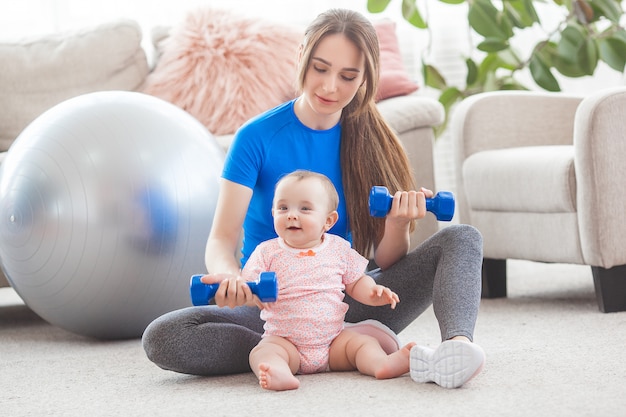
333 77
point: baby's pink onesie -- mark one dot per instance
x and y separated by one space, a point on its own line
309 311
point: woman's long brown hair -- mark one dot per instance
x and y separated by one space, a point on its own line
371 153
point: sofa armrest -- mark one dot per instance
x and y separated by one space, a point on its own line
599 155
409 112
413 118
508 119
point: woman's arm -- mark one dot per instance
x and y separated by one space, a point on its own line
220 254
406 207
230 212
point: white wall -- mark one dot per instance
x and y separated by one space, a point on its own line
34 17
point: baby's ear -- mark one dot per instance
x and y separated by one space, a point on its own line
331 219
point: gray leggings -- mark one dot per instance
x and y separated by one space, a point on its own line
444 271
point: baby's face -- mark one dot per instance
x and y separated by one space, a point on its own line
302 212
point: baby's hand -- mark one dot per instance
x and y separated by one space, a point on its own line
383 295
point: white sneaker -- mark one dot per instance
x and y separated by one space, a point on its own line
451 365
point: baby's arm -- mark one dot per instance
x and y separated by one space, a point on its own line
366 291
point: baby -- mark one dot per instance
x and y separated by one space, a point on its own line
304 329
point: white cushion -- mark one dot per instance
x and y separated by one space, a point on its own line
539 179
40 73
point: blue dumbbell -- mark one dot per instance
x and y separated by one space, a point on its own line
441 205
266 288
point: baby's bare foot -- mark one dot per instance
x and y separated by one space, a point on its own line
398 363
276 379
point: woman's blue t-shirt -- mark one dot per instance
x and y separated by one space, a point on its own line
266 148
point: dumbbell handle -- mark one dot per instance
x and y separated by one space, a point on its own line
265 287
441 205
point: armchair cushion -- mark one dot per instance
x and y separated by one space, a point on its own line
536 179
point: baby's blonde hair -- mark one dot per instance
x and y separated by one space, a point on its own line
301 174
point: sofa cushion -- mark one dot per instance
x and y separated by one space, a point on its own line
394 79
539 179
224 68
40 73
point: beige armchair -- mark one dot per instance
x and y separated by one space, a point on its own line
543 177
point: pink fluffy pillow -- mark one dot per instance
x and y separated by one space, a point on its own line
224 68
394 79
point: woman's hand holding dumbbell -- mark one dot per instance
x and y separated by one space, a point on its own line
441 205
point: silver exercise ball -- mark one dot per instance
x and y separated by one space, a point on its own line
106 202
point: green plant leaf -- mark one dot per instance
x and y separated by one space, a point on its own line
510 83
613 52
610 9
521 13
491 81
411 14
620 34
452 1
530 12
572 39
449 96
492 45
509 60
513 14
433 78
565 66
488 21
377 6
472 72
489 65
588 56
577 48
576 51
540 71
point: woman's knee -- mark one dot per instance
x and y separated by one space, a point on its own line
156 336
463 235
461 231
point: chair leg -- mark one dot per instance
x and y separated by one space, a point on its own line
610 286
494 278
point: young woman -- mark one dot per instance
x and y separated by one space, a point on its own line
333 128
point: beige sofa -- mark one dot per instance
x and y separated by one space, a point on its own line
542 176
39 73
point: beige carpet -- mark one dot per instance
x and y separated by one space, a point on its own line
550 352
